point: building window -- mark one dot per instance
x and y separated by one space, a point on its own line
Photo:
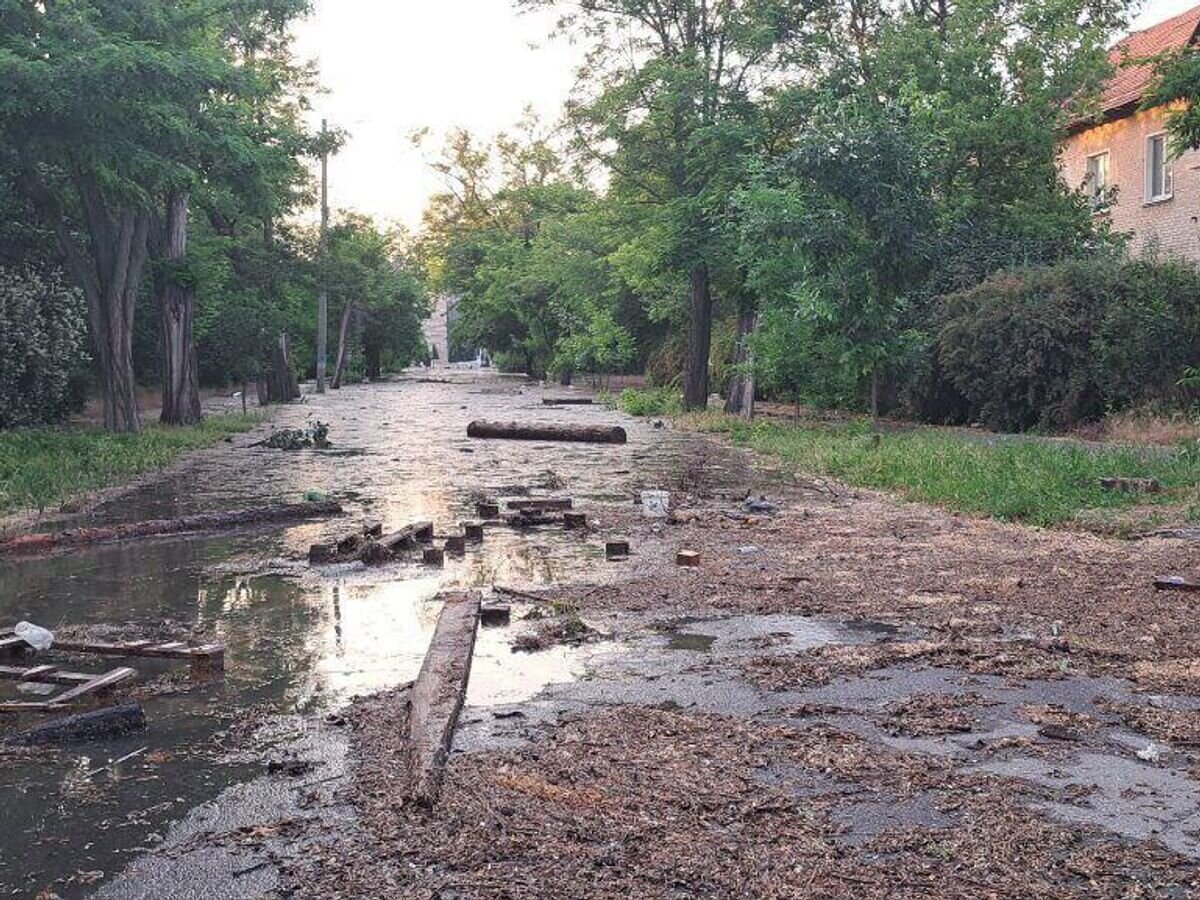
1098 181
1158 170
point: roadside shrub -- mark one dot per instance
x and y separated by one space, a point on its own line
1051 346
44 324
647 402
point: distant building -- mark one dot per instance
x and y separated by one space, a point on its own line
437 329
1123 162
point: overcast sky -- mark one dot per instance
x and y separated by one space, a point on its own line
394 66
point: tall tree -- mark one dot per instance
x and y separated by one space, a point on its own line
118 111
667 107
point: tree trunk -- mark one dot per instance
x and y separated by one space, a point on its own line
695 376
875 399
565 377
740 399
177 310
343 339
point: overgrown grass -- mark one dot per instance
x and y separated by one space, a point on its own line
646 401
1013 478
43 468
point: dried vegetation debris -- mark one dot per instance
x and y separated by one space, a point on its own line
652 803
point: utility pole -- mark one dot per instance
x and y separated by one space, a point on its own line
322 291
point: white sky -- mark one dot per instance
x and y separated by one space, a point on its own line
394 66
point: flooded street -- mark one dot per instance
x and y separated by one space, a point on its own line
838 690
301 639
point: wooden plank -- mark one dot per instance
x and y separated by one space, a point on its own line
545 504
12 644
144 649
408 536
39 675
437 695
78 537
100 683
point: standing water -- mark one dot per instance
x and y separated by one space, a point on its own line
302 640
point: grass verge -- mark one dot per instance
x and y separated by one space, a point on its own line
645 401
45 467
1018 479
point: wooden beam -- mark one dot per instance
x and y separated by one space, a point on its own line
97 685
438 693
544 504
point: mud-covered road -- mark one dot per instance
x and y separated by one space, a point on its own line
850 697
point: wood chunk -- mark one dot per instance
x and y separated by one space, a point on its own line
495 613
574 521
434 556
438 693
567 401
513 431
456 544
374 553
321 554
488 510
545 504
115 721
373 529
473 532
689 559
616 550
1176 583
407 537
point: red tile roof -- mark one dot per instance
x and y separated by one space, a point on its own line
1130 80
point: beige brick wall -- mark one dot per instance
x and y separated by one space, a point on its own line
1172 225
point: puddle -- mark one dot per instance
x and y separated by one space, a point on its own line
683 640
300 640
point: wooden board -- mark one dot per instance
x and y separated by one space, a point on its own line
408 536
43 675
544 504
437 695
145 649
97 685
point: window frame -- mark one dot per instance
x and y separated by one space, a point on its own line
1168 176
1099 198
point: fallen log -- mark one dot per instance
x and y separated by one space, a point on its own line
78 537
513 431
437 695
567 401
99 724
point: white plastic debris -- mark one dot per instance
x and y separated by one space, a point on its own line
656 504
34 635
1150 753
749 549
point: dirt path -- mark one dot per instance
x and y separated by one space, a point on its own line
851 697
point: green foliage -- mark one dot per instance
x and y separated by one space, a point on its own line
43 323
1051 346
1017 479
647 402
41 469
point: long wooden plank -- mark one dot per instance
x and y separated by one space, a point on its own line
104 682
544 504
145 649
437 695
77 537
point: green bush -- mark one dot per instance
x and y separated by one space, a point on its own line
647 402
1051 346
44 324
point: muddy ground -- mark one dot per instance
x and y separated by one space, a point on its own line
850 697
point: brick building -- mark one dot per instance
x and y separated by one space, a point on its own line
1122 161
